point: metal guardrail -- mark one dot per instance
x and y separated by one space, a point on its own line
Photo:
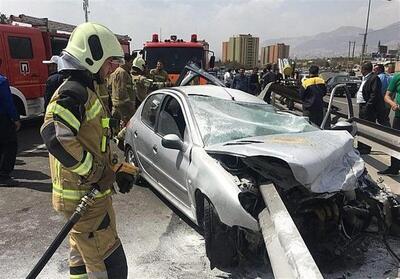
383 138
288 254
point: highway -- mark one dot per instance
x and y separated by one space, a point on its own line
159 242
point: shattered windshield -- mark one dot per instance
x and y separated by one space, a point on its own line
222 120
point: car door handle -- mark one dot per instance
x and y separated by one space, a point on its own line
155 149
135 134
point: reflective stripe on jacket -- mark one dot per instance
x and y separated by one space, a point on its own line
76 135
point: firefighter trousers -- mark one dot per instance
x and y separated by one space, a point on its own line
95 250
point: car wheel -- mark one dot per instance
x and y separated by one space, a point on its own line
220 239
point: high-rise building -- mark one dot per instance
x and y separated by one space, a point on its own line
242 49
224 52
271 54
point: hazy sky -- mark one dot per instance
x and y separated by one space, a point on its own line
213 20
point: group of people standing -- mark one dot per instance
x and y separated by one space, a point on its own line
378 93
253 83
131 82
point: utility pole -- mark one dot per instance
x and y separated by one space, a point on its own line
350 42
348 56
85 9
364 45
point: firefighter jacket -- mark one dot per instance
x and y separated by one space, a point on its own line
122 94
76 130
312 93
159 75
143 86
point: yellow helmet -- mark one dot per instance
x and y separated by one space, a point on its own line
91 44
139 63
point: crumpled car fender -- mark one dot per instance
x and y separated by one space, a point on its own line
208 176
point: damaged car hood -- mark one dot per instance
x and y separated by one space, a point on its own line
322 161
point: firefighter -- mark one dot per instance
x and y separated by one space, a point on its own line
76 130
312 92
158 74
122 95
141 83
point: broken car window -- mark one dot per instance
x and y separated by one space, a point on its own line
221 120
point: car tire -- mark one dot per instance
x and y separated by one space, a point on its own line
220 239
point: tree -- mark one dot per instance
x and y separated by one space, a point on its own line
3 18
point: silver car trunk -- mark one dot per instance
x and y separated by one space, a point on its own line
322 161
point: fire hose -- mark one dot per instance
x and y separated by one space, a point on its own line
86 202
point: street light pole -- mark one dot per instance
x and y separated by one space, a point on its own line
85 9
364 45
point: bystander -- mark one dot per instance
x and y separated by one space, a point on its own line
254 82
228 78
268 77
312 92
10 124
54 80
370 98
379 70
392 98
241 81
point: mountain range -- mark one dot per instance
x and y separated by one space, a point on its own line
336 43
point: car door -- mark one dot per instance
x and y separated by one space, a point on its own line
144 136
171 165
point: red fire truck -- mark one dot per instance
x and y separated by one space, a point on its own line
23 47
176 53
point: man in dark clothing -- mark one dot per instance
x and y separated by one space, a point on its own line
312 92
54 80
241 81
268 77
370 98
10 124
254 82
379 70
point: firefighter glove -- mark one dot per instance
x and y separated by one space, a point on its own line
125 182
126 175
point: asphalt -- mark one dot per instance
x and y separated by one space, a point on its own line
159 242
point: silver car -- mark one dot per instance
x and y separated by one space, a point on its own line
207 148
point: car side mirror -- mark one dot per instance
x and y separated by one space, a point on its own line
211 64
346 126
172 141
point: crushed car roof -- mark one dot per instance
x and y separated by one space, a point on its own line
218 92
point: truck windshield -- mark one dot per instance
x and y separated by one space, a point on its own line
174 59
